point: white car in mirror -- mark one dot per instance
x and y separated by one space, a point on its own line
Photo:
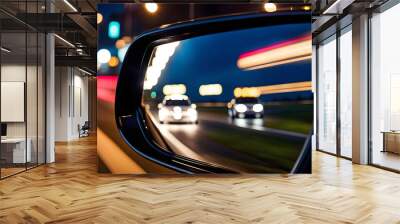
177 109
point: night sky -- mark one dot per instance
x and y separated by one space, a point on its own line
212 59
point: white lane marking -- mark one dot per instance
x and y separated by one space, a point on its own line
177 146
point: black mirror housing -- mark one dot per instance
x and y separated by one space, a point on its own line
129 114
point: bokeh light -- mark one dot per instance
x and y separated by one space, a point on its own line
103 56
127 39
270 7
210 90
174 89
151 7
120 43
114 29
153 94
99 18
113 62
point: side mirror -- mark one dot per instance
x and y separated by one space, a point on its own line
203 59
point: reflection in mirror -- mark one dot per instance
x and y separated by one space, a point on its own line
240 100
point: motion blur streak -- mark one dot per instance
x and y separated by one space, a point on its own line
293 50
161 57
280 88
286 88
106 86
114 157
246 92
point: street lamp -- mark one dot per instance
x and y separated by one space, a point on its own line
151 7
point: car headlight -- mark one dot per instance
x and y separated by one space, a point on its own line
241 108
177 113
258 107
162 113
192 113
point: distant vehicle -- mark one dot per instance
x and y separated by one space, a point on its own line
177 109
245 107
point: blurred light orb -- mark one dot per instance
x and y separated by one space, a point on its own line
114 29
270 7
122 52
120 43
99 18
127 39
153 94
113 62
151 7
210 90
103 56
174 89
307 8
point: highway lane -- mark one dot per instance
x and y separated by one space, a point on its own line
200 147
199 142
255 124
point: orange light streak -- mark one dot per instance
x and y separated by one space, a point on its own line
271 89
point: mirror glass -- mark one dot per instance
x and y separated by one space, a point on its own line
239 99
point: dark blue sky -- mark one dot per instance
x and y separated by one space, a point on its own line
212 59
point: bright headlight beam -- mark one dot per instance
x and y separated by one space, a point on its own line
258 107
241 108
192 113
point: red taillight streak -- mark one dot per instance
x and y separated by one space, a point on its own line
106 86
275 46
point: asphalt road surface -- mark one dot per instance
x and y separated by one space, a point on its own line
195 141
